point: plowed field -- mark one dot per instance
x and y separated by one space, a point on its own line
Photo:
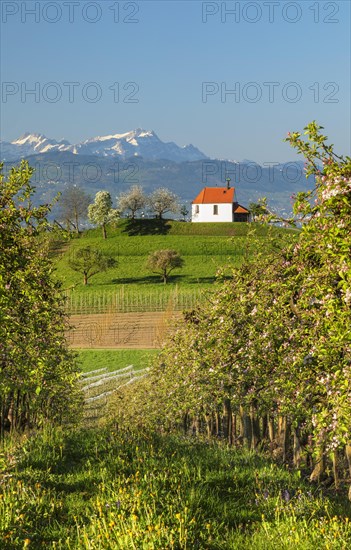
120 330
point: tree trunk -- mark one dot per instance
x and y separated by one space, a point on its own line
271 432
2 423
77 223
208 424
227 421
309 451
85 278
245 428
255 428
185 423
296 448
283 431
319 466
230 426
104 231
348 456
335 458
234 428
217 423
13 413
265 427
195 426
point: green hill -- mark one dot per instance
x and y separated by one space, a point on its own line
205 248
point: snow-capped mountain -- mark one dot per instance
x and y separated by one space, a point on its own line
138 142
30 144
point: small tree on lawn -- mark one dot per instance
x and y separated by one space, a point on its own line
162 200
163 262
101 211
132 200
89 261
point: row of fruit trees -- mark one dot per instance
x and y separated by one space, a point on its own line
267 360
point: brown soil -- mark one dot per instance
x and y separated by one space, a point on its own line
120 330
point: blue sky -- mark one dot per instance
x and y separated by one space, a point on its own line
232 84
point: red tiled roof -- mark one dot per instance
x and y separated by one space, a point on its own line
215 195
240 209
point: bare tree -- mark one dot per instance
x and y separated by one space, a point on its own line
132 200
73 205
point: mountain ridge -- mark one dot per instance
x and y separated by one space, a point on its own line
56 170
115 162
138 143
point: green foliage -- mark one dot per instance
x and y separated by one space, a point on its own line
89 261
164 262
101 212
37 371
111 489
273 341
258 209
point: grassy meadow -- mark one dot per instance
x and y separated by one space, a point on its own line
202 257
111 489
113 359
205 247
